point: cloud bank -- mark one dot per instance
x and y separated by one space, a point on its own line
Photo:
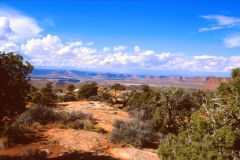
50 51
22 34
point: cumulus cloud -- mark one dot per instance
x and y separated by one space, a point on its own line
5 29
17 26
9 47
74 44
106 49
233 41
119 48
47 45
204 57
137 49
52 52
221 22
89 43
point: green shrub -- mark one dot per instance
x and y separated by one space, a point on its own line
99 129
71 88
212 133
118 86
146 88
135 132
138 99
73 116
46 96
39 114
61 125
142 112
11 133
67 98
88 90
102 96
85 124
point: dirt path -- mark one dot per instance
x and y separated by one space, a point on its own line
69 144
92 142
88 141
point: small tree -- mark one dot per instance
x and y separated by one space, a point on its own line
213 132
14 84
175 105
146 88
45 97
71 88
88 90
48 96
118 87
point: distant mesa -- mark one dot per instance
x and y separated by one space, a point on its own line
134 76
213 82
200 79
73 76
148 77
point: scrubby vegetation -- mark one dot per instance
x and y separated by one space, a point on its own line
88 90
156 113
135 132
213 131
102 96
192 125
39 114
118 86
184 124
67 98
46 96
71 88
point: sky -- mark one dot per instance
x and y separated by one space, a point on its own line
151 37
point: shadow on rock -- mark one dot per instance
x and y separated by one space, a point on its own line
68 156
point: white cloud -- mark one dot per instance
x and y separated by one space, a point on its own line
204 57
9 47
209 29
74 44
221 22
137 49
89 43
5 29
22 26
233 41
106 49
119 48
43 46
50 51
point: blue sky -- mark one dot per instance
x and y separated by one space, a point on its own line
139 36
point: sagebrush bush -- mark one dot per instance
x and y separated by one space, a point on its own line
82 124
11 133
102 96
67 98
39 114
135 132
142 112
76 115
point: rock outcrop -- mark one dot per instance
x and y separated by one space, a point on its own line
213 82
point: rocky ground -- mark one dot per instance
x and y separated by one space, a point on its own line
80 144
